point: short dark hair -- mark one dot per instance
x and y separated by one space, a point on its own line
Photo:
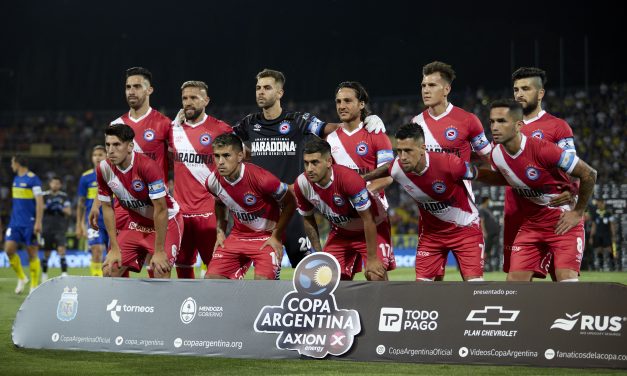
445 70
121 131
485 199
21 159
515 108
199 84
530 72
279 77
360 93
139 71
410 130
98 147
317 145
228 139
55 177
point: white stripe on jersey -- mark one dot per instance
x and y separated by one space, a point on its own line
119 120
122 193
181 143
430 141
340 155
258 224
450 214
515 182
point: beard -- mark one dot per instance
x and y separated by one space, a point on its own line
192 114
531 106
266 103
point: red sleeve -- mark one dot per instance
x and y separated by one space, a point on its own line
563 130
269 185
303 205
548 154
457 167
103 188
152 175
352 183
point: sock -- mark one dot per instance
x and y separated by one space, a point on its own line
125 274
185 272
44 265
151 274
16 265
478 279
35 270
96 269
570 280
63 264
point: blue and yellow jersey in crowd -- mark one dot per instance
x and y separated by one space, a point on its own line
88 188
24 190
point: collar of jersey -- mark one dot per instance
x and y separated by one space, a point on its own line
141 117
241 175
420 173
361 125
129 166
264 121
329 183
448 110
538 116
523 142
197 124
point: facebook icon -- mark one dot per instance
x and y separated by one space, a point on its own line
390 319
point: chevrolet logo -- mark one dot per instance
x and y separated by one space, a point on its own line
492 315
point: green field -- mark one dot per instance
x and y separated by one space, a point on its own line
14 361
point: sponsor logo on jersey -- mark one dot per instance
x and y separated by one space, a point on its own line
450 133
257 127
137 185
338 200
250 199
205 139
284 127
273 147
532 173
68 304
308 319
537 134
438 187
149 135
361 148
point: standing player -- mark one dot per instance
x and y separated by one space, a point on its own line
539 170
97 239
26 222
150 126
57 210
359 224
449 219
193 162
261 206
448 128
603 236
275 139
528 86
155 225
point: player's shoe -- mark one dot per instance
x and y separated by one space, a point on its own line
21 284
44 277
64 274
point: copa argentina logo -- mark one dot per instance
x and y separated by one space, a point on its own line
308 319
68 304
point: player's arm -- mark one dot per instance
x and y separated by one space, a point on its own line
159 260
94 213
80 214
39 212
374 267
221 222
587 177
378 173
114 255
67 208
378 185
311 230
489 177
385 155
288 206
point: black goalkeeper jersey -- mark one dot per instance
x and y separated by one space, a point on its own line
277 145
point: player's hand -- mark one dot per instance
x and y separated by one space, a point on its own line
160 264
113 259
563 198
220 237
276 245
374 124
179 118
93 218
37 228
567 221
375 271
80 231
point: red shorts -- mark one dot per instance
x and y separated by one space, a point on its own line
534 247
467 246
233 260
199 237
346 249
137 241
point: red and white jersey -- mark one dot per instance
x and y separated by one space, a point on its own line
253 199
134 188
151 135
361 151
439 190
193 162
537 173
455 131
339 201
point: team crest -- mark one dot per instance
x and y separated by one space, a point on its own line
250 199
361 148
284 127
205 139
149 135
68 304
450 133
532 173
338 200
438 187
138 185
537 134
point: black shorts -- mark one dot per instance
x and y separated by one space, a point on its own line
602 241
296 244
51 240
